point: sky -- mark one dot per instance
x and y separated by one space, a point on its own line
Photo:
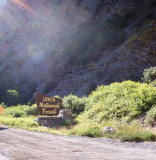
2 2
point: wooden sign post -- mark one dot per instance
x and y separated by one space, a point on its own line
49 106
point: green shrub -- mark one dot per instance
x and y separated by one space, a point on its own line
22 110
153 83
13 92
139 136
32 110
12 97
149 75
124 100
66 122
19 113
151 115
3 105
77 105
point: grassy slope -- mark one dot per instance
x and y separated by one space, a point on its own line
121 101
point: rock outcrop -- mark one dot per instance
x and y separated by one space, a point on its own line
33 50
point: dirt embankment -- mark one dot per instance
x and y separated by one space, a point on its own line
25 145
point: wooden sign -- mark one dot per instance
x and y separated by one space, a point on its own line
47 105
1 110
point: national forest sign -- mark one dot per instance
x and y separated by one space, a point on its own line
49 106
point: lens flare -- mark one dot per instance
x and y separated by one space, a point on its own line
26 7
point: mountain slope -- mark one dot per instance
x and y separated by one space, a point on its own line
73 46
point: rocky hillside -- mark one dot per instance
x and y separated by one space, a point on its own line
62 47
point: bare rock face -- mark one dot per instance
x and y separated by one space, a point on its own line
120 7
108 8
33 46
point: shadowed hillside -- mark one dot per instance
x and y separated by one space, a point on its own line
61 47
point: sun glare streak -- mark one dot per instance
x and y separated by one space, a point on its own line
26 7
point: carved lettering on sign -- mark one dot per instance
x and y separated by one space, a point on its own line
47 105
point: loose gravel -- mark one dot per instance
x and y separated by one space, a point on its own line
27 145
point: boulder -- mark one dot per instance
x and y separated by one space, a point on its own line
108 130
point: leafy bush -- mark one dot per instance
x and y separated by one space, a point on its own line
66 122
22 110
153 83
19 113
13 92
149 75
12 97
124 100
3 105
151 115
77 105
32 110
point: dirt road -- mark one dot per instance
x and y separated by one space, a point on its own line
19 144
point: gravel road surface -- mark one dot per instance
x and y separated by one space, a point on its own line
17 144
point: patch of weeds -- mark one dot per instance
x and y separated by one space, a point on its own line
66 122
139 136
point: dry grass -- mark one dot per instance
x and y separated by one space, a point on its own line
124 131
